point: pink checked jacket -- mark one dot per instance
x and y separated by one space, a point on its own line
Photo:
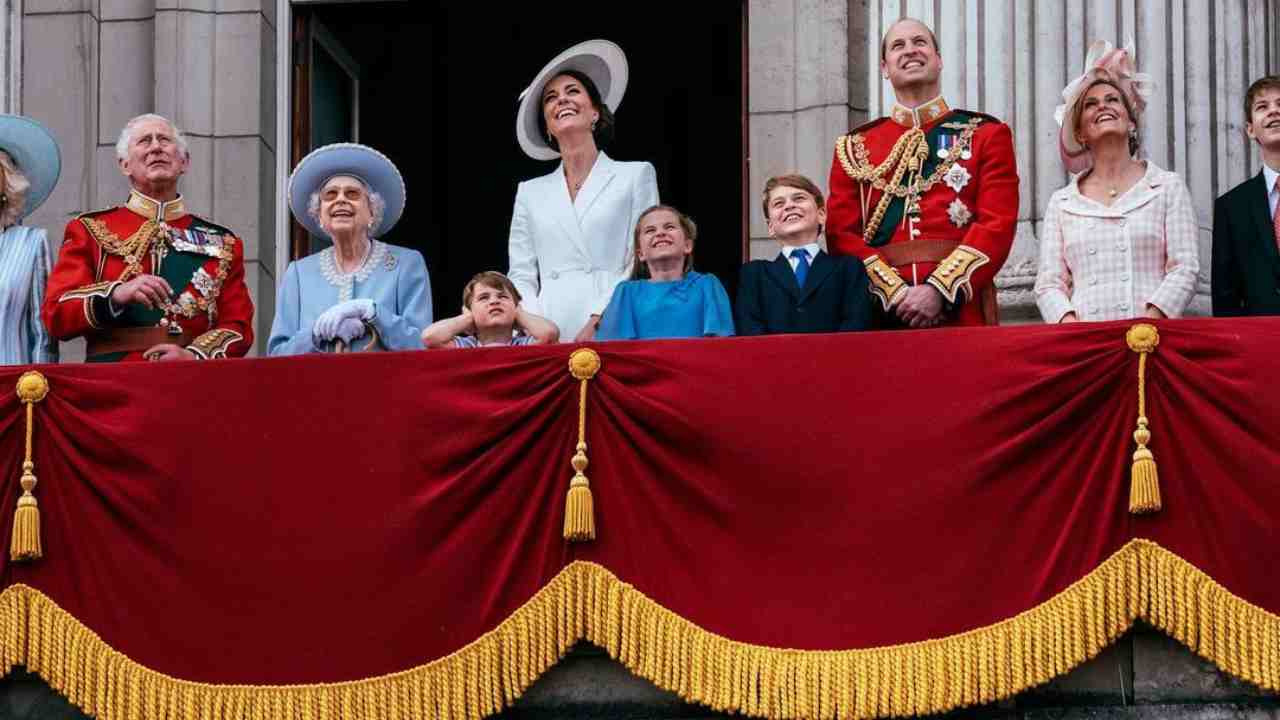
1109 263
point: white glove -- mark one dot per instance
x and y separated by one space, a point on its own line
350 329
326 327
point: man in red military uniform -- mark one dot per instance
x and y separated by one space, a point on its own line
148 280
927 197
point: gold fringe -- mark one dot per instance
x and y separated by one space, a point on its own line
587 602
1144 481
25 541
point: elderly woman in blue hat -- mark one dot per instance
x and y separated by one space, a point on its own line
570 241
361 293
30 164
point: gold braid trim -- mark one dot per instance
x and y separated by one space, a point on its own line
214 343
133 249
587 602
908 155
955 272
886 284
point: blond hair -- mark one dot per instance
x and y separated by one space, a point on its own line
15 190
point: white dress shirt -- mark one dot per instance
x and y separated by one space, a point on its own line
813 248
1273 195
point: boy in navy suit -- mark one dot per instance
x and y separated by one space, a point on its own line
803 290
1246 223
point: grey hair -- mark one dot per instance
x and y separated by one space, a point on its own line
377 204
126 135
15 190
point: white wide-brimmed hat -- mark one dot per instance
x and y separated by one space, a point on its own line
601 60
36 154
350 159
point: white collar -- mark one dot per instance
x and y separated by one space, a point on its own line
1270 176
813 248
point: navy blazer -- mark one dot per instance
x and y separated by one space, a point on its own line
834 297
1246 263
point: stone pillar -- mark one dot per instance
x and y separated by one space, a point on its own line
799 90
215 75
10 55
58 77
90 65
1013 59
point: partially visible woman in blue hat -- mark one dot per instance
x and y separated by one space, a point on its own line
360 294
30 163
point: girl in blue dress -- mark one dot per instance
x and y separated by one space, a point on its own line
665 298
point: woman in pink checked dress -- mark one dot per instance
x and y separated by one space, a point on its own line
1119 241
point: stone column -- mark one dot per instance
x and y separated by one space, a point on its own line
1013 59
799 92
215 74
58 76
10 55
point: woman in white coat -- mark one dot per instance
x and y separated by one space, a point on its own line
571 229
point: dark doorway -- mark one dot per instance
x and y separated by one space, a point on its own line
437 93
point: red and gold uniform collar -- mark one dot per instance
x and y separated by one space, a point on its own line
154 209
922 115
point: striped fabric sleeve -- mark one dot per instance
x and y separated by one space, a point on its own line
44 349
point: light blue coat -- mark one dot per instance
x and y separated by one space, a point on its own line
394 278
24 270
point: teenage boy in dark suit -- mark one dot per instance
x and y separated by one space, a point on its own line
802 290
1246 225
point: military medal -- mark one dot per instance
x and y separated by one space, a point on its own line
959 213
945 143
957 177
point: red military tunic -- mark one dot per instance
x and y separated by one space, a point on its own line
952 186
210 314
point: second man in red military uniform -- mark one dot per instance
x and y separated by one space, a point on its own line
927 197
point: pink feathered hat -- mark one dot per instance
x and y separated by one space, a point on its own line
1103 62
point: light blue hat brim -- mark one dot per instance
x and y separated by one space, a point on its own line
353 159
36 154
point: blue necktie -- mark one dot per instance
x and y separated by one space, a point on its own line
802 265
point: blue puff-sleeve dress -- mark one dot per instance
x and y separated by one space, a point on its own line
695 306
394 278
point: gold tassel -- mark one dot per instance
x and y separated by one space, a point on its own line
1144 481
579 511
25 543
579 508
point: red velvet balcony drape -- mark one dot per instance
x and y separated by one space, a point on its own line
319 520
